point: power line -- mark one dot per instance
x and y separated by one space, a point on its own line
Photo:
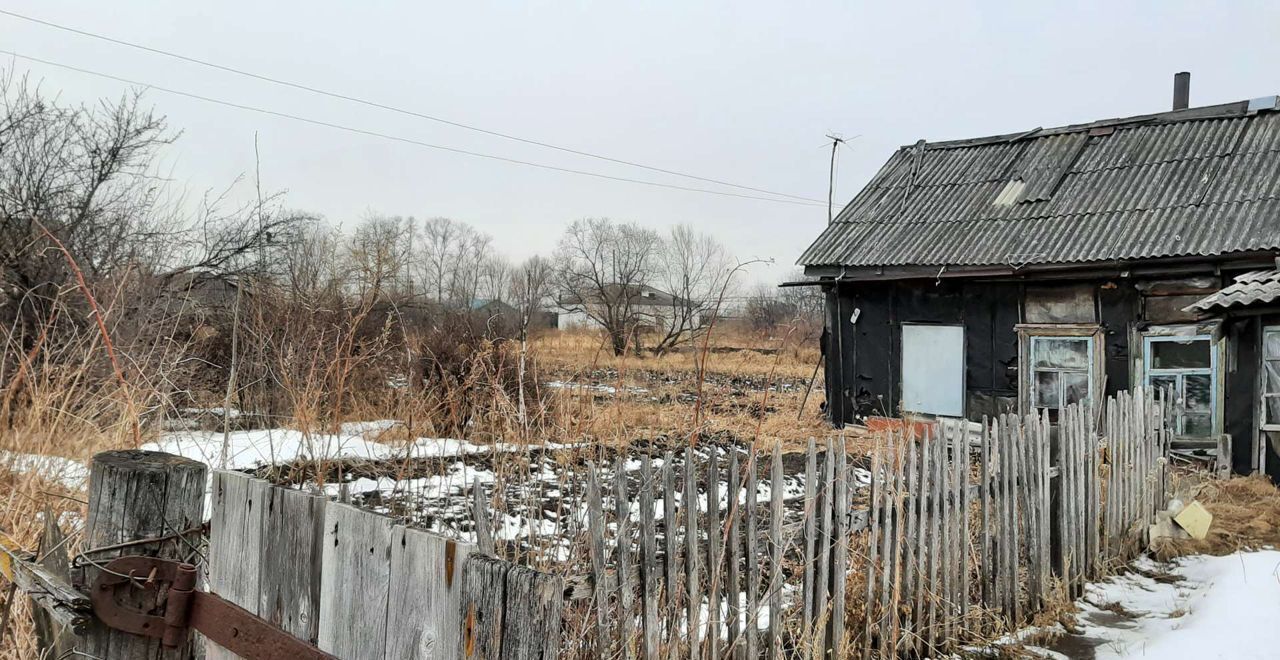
391 108
397 138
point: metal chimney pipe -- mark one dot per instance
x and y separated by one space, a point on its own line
1182 90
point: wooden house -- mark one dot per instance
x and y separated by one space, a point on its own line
1047 266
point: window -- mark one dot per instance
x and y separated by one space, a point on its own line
1061 371
1058 364
1271 378
933 369
1186 367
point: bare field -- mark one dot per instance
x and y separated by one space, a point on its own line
750 390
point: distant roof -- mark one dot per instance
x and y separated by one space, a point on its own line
1259 286
1203 181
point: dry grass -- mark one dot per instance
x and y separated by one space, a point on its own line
1246 516
70 405
751 389
25 502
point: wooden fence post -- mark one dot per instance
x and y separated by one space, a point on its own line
135 495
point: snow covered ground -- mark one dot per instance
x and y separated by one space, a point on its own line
542 499
1196 607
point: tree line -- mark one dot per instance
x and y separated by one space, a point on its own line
100 252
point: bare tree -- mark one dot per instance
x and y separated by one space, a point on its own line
695 271
808 304
83 174
530 287
765 310
453 258
379 255
495 274
601 268
314 273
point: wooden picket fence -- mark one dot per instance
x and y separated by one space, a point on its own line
966 541
700 571
951 536
364 588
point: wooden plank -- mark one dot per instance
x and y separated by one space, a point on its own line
60 605
693 588
1005 543
484 603
888 543
776 553
733 556
935 533
810 533
715 556
984 482
480 513
922 583
876 496
1046 498
651 630
424 612
289 580
916 477
912 503
1030 434
626 597
947 444
898 538
752 572
840 558
821 602
670 555
966 546
355 583
55 631
1015 532
595 525
532 618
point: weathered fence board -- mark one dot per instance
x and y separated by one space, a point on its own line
289 580
355 581
236 525
424 612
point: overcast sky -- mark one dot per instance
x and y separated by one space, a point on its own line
741 91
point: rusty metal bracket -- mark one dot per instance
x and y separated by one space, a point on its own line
157 598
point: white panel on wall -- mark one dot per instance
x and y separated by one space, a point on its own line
933 369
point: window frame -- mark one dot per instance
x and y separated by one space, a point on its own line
1263 395
1029 333
1165 334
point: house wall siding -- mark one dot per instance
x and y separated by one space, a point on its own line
864 357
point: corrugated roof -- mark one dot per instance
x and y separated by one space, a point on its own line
1204 181
1259 286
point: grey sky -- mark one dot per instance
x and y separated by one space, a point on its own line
739 91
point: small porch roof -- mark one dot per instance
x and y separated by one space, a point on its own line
1259 287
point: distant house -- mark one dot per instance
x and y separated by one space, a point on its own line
1040 268
649 306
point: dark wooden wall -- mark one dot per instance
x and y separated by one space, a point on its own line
864 358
